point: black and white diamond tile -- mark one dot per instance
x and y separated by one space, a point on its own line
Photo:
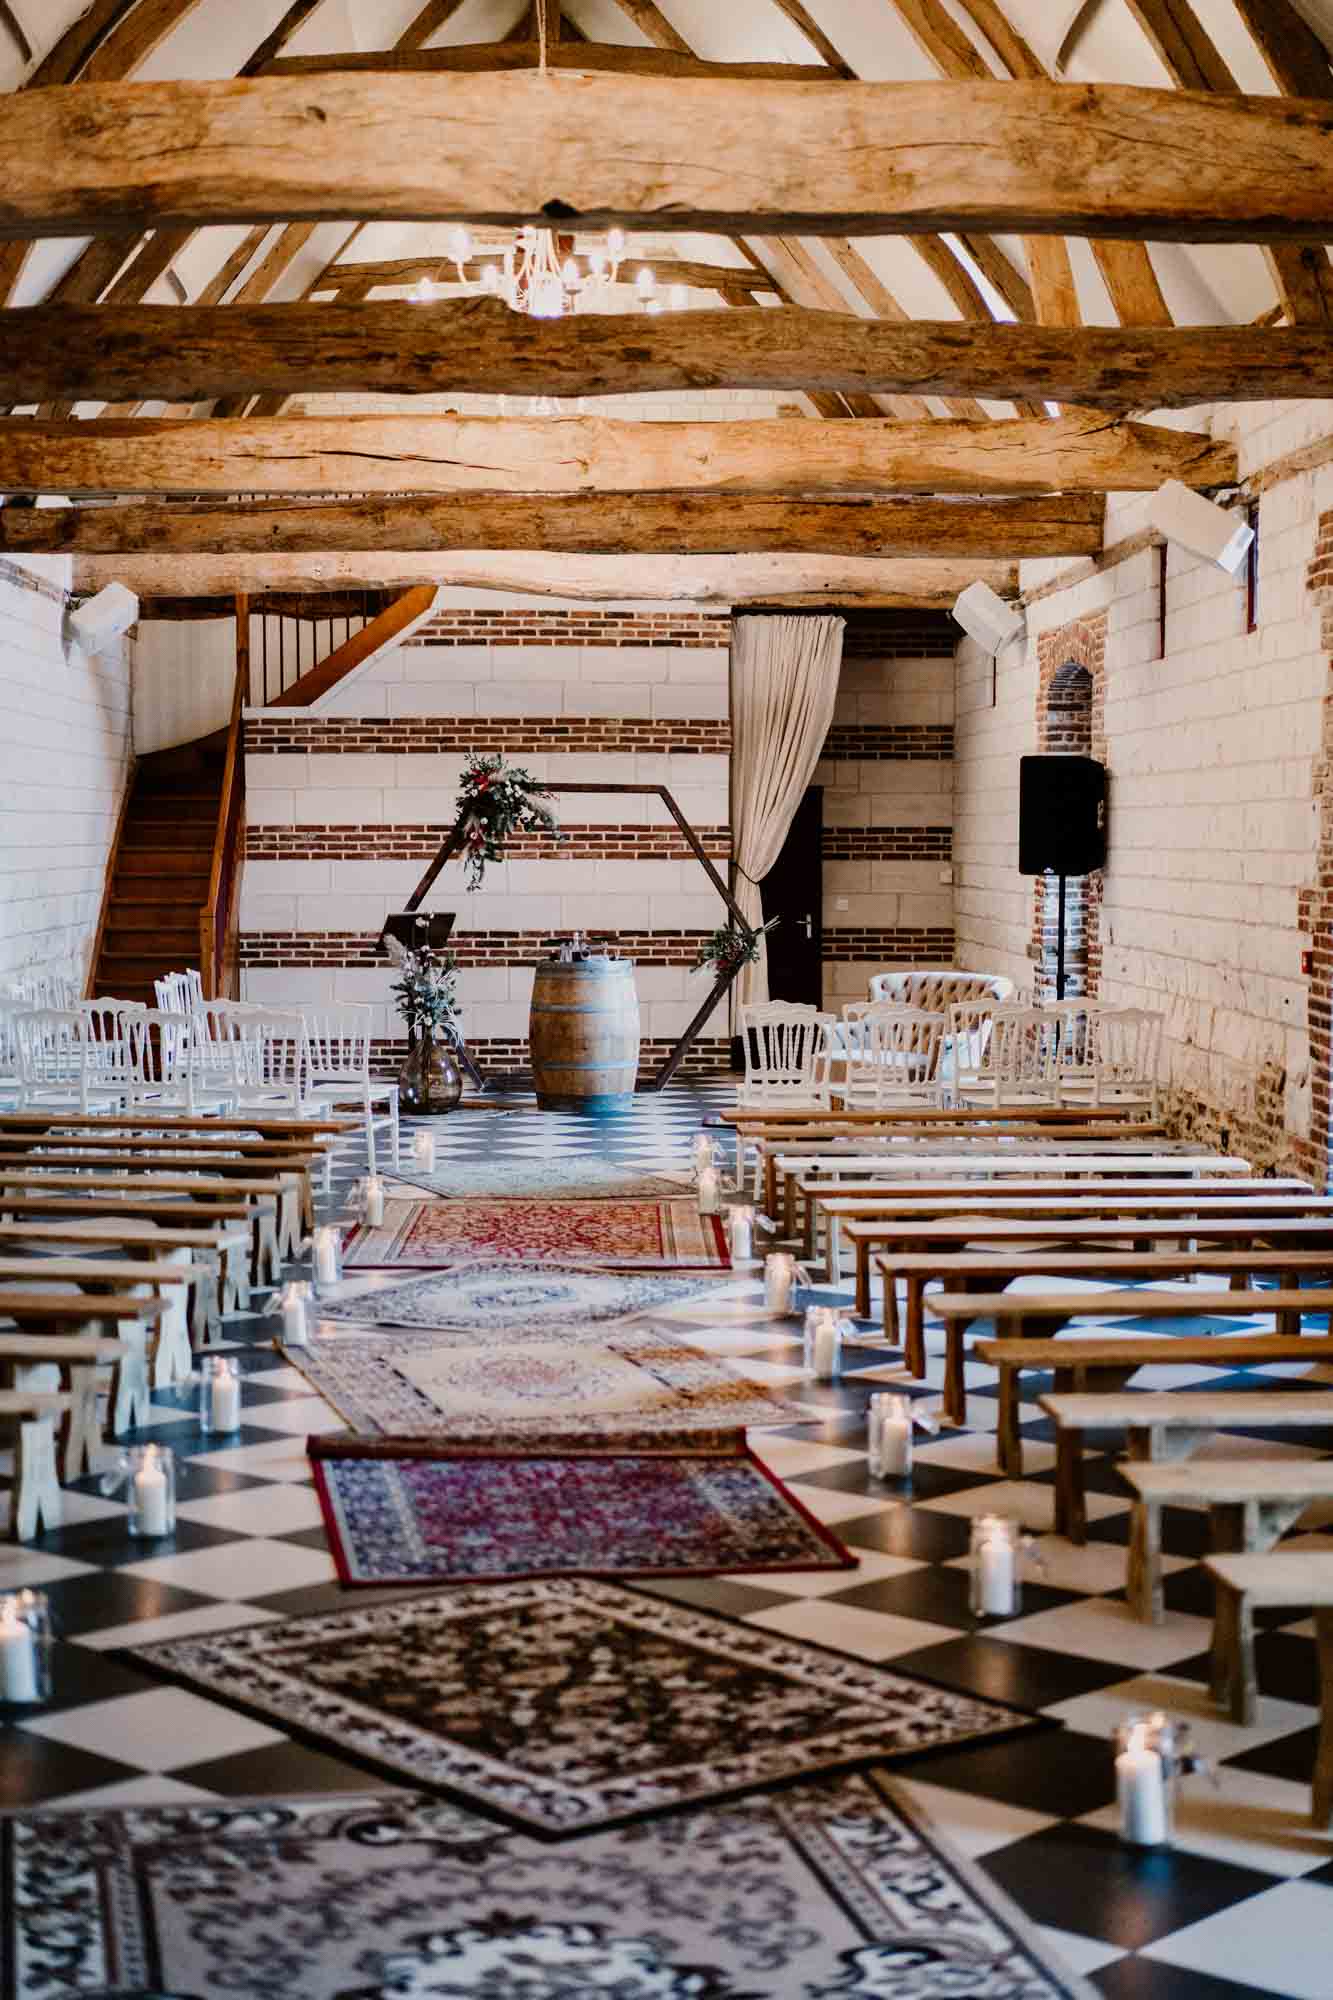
1241 1907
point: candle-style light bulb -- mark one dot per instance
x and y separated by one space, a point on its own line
615 244
645 281
460 244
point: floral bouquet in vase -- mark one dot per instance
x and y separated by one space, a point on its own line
426 995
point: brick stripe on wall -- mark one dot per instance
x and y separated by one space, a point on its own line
899 635
421 842
281 950
576 628
878 742
888 843
709 1055
431 735
895 944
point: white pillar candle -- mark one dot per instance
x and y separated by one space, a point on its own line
893 1457
995 1560
224 1402
326 1255
150 1495
708 1191
779 1281
374 1201
295 1324
740 1230
1141 1793
18 1656
423 1150
703 1153
826 1350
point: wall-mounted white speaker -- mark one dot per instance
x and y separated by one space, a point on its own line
103 618
1200 526
986 617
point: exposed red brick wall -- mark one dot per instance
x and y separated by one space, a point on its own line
274 950
895 944
421 842
431 735
1316 900
1069 724
876 742
470 627
887 843
710 1055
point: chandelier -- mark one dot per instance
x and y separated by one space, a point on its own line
541 274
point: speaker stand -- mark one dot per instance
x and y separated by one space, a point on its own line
1060 940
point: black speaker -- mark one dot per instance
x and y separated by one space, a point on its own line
1061 815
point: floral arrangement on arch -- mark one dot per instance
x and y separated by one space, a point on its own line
731 946
495 801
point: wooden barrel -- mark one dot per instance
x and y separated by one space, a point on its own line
583 1034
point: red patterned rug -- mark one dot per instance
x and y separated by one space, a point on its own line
399 1511
631 1235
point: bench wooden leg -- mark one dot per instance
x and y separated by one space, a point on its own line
862 1279
236 1277
37 1499
914 1353
1008 1437
130 1393
83 1432
833 1250
291 1219
268 1257
1145 1563
892 1328
1071 1507
1321 1790
789 1224
955 1384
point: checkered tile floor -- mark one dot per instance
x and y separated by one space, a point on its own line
1242 1906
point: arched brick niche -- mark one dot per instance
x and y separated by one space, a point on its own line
1071 721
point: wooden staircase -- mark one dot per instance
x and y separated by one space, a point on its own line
159 880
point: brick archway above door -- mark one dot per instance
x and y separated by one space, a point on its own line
1071 720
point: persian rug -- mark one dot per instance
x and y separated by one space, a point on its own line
847 1890
398 1512
635 1235
491 1388
499 1297
566 1705
554 1178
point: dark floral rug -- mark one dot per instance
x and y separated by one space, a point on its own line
696 1505
837 1890
564 1704
486 1386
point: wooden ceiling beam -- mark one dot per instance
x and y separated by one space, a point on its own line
1297 60
923 582
1042 158
801 18
609 58
1087 453
577 524
649 19
433 16
476 346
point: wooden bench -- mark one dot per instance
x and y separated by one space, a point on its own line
1096 1365
288 1174
992 1270
98 1276
146 1239
109 1189
227 1223
891 1221
67 1314
817 1181
1287 1579
1018 1315
267 1127
77 1360
36 1501
1252 1503
866 1214
1161 1425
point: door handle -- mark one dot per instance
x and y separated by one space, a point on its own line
808 924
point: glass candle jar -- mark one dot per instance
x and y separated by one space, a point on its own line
293 1303
1152 1754
25 1648
219 1394
146 1475
327 1255
703 1153
423 1150
372 1201
740 1232
889 1441
710 1191
781 1272
996 1551
823 1344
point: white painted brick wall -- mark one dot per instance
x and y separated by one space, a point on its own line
65 741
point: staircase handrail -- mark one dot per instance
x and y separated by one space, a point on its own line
218 921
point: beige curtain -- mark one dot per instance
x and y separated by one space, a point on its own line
784 682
